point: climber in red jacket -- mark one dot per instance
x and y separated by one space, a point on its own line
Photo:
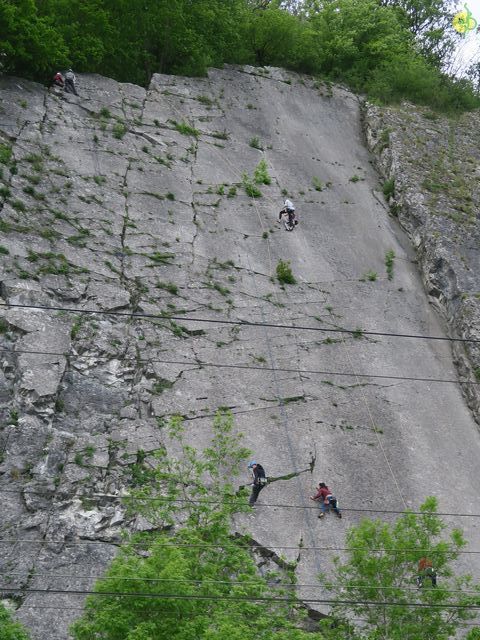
326 499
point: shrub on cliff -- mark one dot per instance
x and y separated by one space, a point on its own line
10 630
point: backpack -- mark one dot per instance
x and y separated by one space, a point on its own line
261 480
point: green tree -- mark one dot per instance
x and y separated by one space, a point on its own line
473 73
382 567
278 37
391 49
356 36
374 48
431 23
176 486
207 577
271 34
208 582
144 37
86 28
173 36
29 44
10 630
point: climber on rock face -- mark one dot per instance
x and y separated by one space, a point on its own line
58 80
288 211
326 499
259 480
426 570
70 81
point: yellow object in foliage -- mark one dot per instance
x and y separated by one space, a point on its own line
463 21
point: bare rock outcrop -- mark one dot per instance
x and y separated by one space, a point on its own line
431 167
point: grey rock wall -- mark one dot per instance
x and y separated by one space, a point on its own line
129 201
434 165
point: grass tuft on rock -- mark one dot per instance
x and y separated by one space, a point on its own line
284 272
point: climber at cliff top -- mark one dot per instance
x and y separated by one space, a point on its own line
70 81
58 80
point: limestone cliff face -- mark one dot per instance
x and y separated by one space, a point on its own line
432 165
125 201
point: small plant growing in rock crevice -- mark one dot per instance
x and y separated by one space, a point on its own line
389 188
18 205
255 143
221 135
119 130
208 102
384 139
36 161
389 258
186 129
168 286
161 385
317 184
76 328
284 272
250 188
161 258
261 175
5 153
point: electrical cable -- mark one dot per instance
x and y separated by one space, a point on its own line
253 545
375 430
201 363
263 504
242 323
27 607
174 596
207 582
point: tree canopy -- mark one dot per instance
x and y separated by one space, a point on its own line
10 630
391 49
382 570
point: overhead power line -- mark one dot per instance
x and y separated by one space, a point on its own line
253 545
233 545
235 598
263 504
201 363
241 323
207 582
57 607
